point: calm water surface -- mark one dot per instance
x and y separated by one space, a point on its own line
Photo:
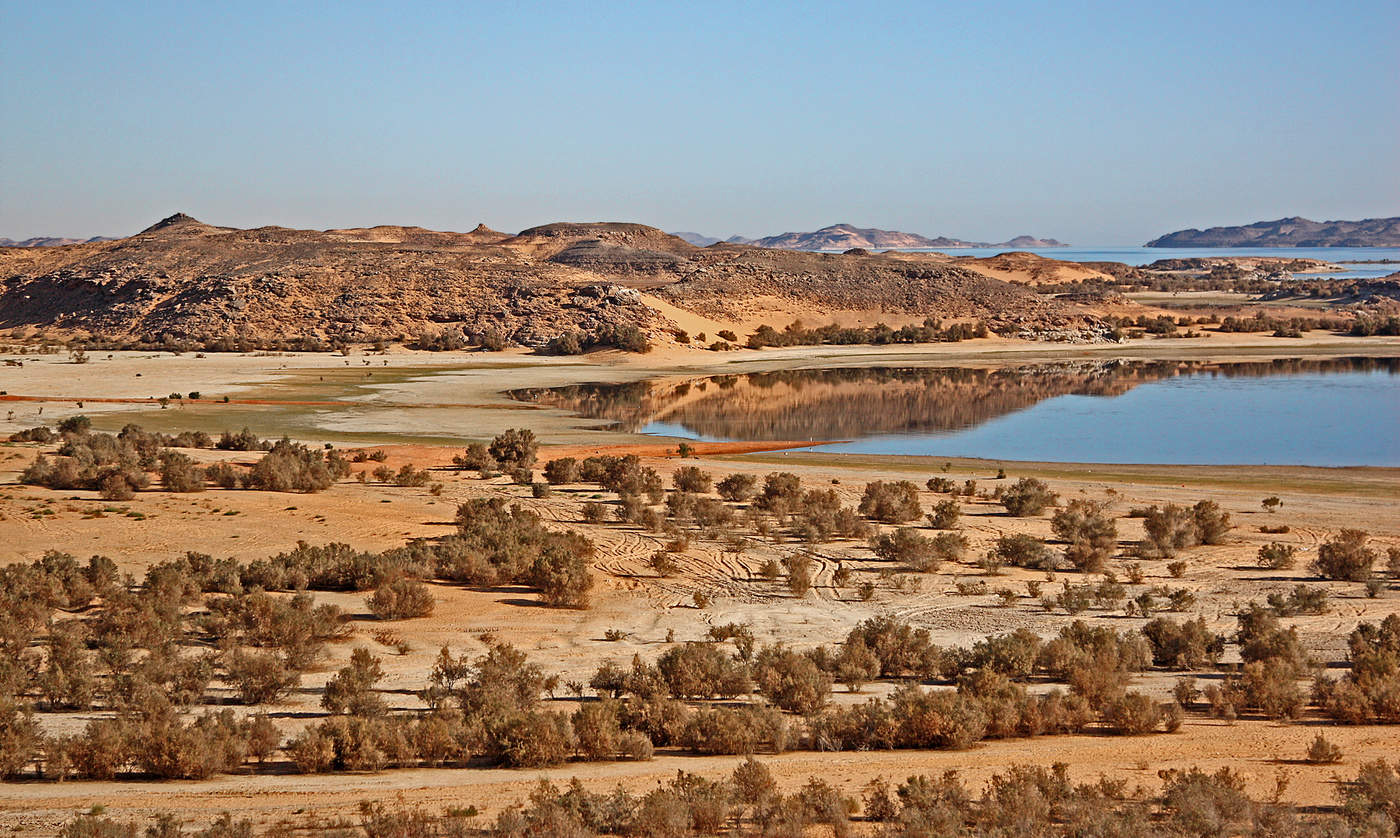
1323 413
1147 255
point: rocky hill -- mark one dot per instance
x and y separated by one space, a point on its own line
1290 232
842 237
184 279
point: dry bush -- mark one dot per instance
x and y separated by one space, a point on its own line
890 503
293 467
737 487
791 680
561 471
1170 528
514 448
1090 534
902 650
1188 645
1322 751
1028 497
1345 556
945 514
950 547
1133 714
401 598
702 670
1023 550
259 677
737 731
691 479
178 473
907 547
351 690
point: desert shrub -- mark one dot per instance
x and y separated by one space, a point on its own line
351 690
902 650
627 337
949 547
1301 600
1322 751
20 737
178 473
561 471
736 731
293 467
945 514
799 573
400 598
1133 714
1345 556
1374 791
1013 654
907 547
891 503
702 670
41 434
1276 556
1089 532
1097 662
259 677
244 440
568 343
737 487
475 458
598 733
408 475
780 490
514 448
1170 528
496 544
1211 522
855 665
936 719
595 513
791 680
222 475
1027 497
691 479
1023 551
1369 690
1188 645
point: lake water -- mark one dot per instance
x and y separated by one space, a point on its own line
1295 412
1146 255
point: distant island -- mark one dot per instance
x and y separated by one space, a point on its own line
839 237
49 241
1290 232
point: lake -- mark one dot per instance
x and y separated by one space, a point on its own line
1147 255
1339 412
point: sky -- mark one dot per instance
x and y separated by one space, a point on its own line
1094 123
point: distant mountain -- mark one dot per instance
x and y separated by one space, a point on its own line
1290 232
697 239
840 237
49 241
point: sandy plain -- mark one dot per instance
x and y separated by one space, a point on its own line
422 408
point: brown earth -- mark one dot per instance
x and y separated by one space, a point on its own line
157 526
184 279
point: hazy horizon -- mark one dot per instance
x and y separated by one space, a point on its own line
1093 124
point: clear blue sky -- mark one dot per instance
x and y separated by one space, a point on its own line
1095 123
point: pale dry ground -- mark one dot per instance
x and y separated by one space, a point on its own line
628 596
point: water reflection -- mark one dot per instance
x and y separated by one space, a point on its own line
853 403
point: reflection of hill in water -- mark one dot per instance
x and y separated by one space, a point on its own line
855 402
